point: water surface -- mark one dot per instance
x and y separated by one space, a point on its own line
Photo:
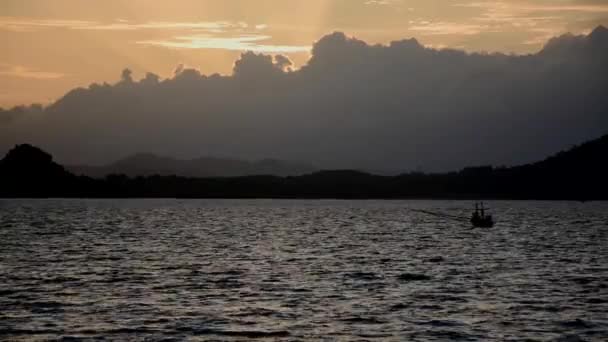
301 270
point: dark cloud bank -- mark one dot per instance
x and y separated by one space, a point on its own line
354 105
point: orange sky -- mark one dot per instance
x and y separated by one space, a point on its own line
50 47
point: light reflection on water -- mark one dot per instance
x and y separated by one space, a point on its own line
301 270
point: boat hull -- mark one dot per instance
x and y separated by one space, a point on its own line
482 223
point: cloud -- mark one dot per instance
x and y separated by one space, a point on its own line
283 62
381 2
28 24
535 21
224 35
19 112
255 67
436 28
353 105
239 43
213 26
24 72
530 14
530 6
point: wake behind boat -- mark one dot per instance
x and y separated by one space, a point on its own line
479 219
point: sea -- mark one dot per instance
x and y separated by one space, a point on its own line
301 270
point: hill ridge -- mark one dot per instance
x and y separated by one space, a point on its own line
576 174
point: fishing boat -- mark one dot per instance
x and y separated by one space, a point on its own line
480 219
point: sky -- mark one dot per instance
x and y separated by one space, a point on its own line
52 46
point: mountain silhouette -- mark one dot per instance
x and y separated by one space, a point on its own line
146 164
580 172
27 171
576 174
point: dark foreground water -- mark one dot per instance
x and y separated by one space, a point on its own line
301 270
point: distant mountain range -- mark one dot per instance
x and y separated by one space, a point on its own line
146 164
577 174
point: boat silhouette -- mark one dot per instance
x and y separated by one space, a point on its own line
480 219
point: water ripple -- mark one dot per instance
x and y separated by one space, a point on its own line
175 270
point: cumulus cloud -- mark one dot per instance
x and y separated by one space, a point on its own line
126 76
259 66
400 106
283 62
19 112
